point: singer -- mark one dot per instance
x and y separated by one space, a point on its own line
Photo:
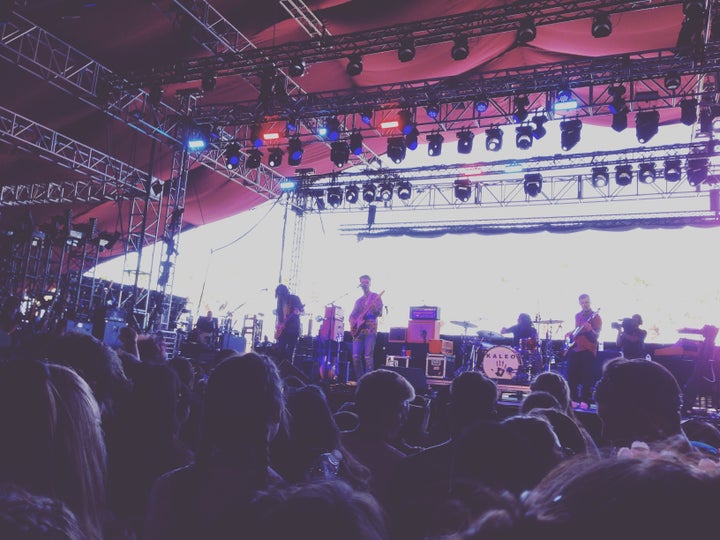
363 327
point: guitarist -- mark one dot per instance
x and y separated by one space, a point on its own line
582 351
363 327
287 327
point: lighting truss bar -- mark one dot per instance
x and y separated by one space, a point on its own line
304 16
40 53
539 79
62 192
16 129
504 18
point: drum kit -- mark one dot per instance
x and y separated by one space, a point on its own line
507 363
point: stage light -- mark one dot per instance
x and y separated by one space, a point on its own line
526 31
697 171
275 157
460 48
289 184
538 127
356 143
256 136
465 141
672 170
386 190
352 193
623 175
646 125
601 26
405 121
600 177
339 153
570 133
366 116
564 94
462 189
208 82
406 52
320 202
493 139
197 141
355 65
368 192
404 190
411 139
334 196
254 158
396 149
433 109
618 108
646 173
292 125
672 81
619 121
532 184
297 67
332 129
523 137
520 113
435 142
688 111
295 151
481 104
232 156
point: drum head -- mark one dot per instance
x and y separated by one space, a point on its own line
501 363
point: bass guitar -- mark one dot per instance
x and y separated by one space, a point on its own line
575 333
358 323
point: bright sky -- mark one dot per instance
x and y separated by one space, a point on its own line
668 276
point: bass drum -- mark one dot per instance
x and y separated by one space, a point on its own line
501 363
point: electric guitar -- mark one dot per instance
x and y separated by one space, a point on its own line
576 332
358 323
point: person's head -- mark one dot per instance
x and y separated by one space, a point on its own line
473 397
554 383
382 398
638 400
584 300
538 399
281 291
629 324
151 349
637 318
524 319
26 516
364 282
52 443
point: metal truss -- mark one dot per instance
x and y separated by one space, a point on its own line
61 192
304 16
505 18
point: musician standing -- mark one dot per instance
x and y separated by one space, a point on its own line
288 327
363 327
583 346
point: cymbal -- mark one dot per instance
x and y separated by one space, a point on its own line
464 324
489 335
549 321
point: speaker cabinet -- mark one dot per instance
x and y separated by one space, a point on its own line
333 324
423 331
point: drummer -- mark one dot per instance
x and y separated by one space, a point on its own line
524 333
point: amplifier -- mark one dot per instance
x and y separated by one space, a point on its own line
439 366
397 361
424 313
333 324
397 334
440 346
423 331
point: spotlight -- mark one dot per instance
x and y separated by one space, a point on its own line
465 141
564 94
368 192
256 136
481 104
600 177
523 137
526 31
646 125
339 153
520 113
396 149
532 184
493 139
406 52
435 142
356 143
646 173
332 129
672 170
352 193
619 121
623 175
601 26
386 190
355 65
254 157
232 156
460 48
404 190
208 82
334 196
295 151
366 116
405 122
199 138
292 125
297 67
697 171
433 109
538 130
672 81
688 111
275 157
618 108
570 133
463 189
411 139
